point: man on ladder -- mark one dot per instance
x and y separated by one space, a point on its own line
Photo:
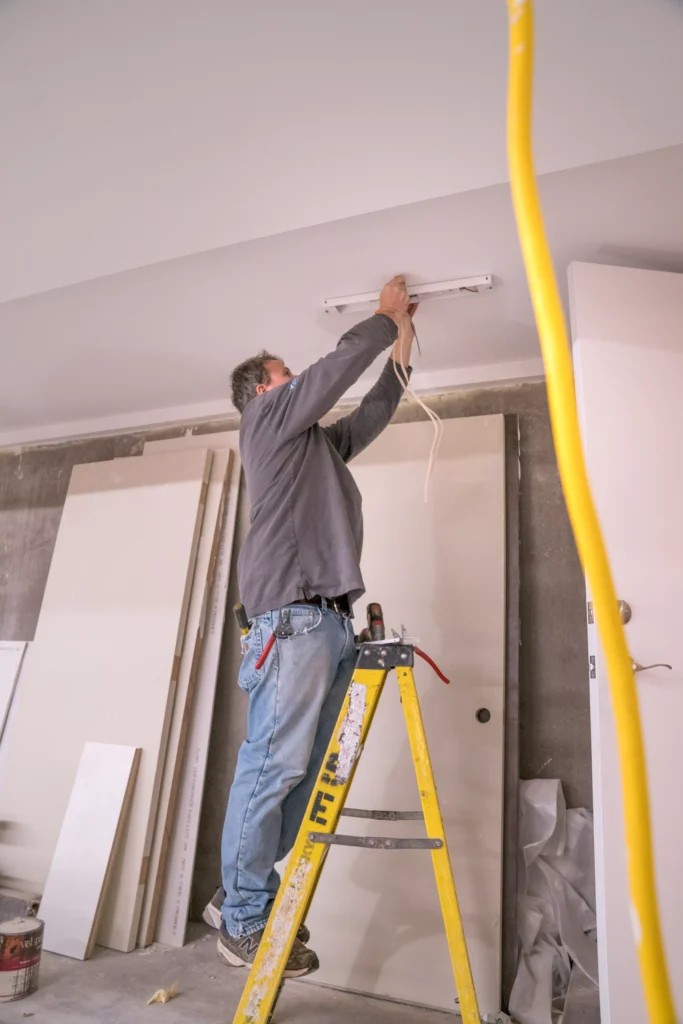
299 575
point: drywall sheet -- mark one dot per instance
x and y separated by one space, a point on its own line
104 662
175 902
439 569
87 845
185 691
11 656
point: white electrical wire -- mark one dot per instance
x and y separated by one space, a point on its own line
436 421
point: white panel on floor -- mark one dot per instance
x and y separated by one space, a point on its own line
177 891
11 655
103 665
627 327
183 706
438 569
87 845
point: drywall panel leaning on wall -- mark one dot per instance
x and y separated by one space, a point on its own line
89 840
177 889
439 569
103 665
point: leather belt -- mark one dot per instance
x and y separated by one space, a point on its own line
340 605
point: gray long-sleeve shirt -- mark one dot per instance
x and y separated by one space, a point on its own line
306 531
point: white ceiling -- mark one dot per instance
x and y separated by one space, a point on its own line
137 131
157 344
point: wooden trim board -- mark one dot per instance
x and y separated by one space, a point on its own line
11 656
176 898
88 842
103 666
184 700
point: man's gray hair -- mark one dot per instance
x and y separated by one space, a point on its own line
247 376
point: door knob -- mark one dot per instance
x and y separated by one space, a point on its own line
646 668
625 612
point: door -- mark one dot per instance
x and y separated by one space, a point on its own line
439 569
627 328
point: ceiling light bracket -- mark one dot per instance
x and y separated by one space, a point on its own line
417 292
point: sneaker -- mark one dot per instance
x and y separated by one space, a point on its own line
212 911
213 917
242 953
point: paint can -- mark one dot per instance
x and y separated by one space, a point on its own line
21 942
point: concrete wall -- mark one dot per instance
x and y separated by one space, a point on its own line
554 715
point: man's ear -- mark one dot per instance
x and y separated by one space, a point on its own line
261 389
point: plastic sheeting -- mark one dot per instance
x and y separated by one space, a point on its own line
556 909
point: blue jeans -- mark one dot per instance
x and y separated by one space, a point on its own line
294 703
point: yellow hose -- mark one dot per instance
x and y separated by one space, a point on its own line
562 401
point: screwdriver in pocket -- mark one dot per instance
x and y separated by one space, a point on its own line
241 617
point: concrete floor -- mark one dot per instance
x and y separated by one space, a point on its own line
113 988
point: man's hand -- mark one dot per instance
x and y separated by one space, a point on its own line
394 300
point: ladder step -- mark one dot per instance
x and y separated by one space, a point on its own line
375 842
354 812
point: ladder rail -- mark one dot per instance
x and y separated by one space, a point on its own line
306 860
450 908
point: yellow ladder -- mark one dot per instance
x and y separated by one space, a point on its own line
317 833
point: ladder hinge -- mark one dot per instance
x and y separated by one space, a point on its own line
386 656
593 672
591 616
